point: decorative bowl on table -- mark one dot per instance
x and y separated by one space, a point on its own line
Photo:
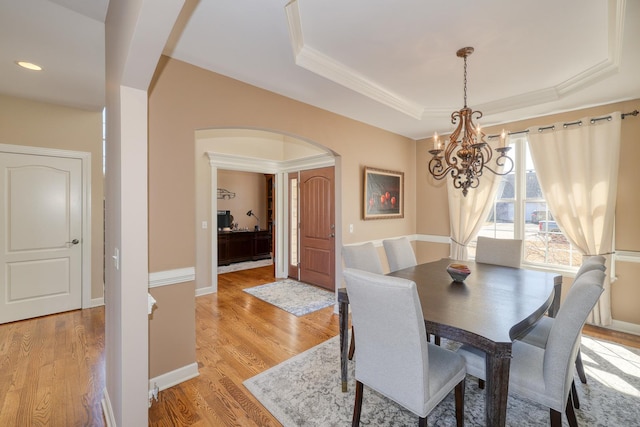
458 272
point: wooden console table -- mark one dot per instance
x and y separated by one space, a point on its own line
239 246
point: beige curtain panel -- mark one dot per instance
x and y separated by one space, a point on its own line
577 166
467 214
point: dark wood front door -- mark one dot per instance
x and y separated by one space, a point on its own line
317 227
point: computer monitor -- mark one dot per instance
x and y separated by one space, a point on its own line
224 219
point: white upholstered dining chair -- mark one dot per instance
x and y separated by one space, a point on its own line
361 257
539 333
543 374
394 357
505 252
399 253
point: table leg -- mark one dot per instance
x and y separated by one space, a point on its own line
343 309
497 388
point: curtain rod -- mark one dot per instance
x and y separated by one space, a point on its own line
579 123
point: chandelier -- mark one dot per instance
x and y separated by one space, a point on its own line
466 159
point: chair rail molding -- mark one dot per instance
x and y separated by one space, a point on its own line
172 277
627 256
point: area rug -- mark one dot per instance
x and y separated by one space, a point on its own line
295 297
239 266
305 391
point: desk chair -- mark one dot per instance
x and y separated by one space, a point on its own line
394 357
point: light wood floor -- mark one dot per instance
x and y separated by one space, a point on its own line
237 337
52 368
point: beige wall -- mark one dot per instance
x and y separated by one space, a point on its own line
250 189
185 99
625 293
37 124
172 337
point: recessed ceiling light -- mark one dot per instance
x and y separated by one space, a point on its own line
29 65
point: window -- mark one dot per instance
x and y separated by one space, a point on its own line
520 212
293 222
104 141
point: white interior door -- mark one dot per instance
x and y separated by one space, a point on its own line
41 219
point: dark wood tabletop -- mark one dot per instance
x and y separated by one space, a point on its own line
494 303
493 306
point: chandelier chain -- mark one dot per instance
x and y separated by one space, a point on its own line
465 159
465 81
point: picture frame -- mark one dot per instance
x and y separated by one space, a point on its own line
383 194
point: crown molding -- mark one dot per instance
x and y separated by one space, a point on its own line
243 163
323 65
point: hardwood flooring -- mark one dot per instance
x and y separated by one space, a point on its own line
238 336
52 368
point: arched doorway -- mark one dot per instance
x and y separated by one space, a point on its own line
249 150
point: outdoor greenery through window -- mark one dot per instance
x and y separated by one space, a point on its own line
520 212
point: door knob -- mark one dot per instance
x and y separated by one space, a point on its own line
74 241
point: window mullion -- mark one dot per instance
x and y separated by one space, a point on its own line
520 193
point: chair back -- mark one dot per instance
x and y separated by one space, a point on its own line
362 257
564 337
505 252
399 253
391 338
591 263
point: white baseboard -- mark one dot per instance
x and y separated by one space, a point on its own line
630 328
96 302
174 377
205 291
107 409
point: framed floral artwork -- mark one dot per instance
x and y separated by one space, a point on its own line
383 194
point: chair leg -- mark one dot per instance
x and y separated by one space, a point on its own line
460 403
352 344
422 422
580 368
571 414
357 406
574 395
436 339
480 384
556 418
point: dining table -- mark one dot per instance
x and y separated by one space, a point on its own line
492 307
